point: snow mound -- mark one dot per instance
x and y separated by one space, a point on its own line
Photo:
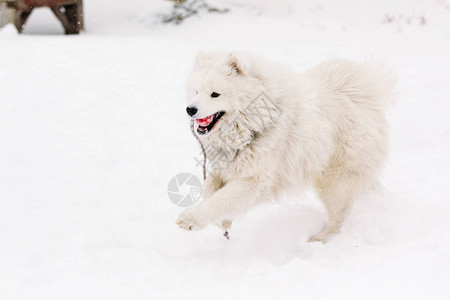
8 30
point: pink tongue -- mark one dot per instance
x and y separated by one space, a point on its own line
205 121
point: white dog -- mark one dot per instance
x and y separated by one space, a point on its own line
268 129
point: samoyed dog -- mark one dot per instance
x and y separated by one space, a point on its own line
268 130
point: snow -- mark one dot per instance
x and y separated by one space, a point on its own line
93 127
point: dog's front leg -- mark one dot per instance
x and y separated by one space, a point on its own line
234 198
211 185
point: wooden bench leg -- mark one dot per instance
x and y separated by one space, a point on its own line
73 18
21 18
68 18
80 14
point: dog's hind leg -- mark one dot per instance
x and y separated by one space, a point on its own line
337 191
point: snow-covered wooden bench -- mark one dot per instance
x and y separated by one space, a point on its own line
69 12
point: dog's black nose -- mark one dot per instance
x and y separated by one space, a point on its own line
191 110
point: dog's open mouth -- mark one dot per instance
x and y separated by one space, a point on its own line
206 124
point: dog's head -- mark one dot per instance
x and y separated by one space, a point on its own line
220 91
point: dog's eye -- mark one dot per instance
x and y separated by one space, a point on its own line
215 95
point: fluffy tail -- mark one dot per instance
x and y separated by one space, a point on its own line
359 81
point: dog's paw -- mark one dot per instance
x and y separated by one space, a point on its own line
318 238
190 220
323 236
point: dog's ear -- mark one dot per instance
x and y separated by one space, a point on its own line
235 64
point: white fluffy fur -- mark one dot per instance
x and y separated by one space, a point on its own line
332 134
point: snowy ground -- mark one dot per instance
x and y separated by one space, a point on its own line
93 127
